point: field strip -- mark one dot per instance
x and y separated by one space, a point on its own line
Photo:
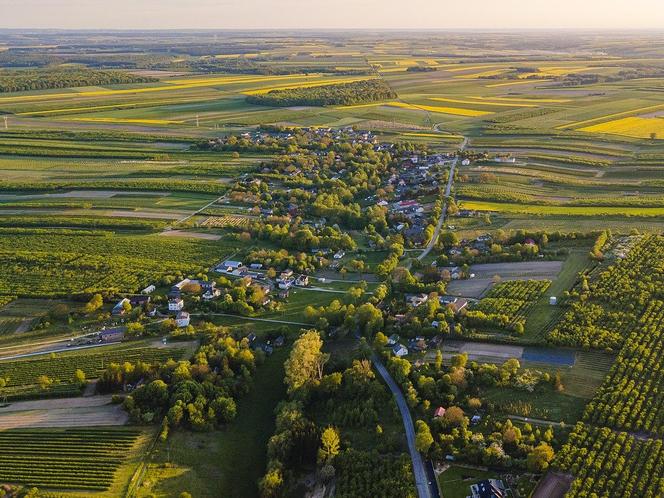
455 111
125 120
359 106
307 85
169 87
488 102
127 105
524 100
610 117
507 207
519 82
471 68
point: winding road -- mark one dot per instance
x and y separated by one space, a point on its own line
443 213
419 468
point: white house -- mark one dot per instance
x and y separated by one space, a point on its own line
302 281
400 350
182 319
175 304
149 289
339 254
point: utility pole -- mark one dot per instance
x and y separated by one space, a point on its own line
197 121
6 125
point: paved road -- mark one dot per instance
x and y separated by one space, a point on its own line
419 469
443 212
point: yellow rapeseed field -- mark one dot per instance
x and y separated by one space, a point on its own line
524 100
305 84
126 121
630 127
518 82
640 110
456 111
487 102
491 72
172 85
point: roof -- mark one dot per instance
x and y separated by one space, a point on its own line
232 264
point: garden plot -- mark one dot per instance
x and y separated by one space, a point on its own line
485 274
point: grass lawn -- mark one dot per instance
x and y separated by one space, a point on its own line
543 403
542 313
224 463
455 481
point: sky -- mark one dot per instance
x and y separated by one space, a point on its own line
332 14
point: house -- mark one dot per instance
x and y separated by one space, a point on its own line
175 304
475 420
553 300
400 350
459 305
440 411
416 299
182 319
256 266
302 281
283 294
445 300
489 488
285 275
279 341
149 289
286 284
139 300
529 242
393 339
465 162
339 254
119 308
251 337
115 334
211 294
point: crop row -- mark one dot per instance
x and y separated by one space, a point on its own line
64 459
63 366
609 463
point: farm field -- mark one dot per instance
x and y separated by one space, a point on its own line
68 458
296 239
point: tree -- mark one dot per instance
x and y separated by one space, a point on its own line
271 483
558 382
79 377
329 445
423 437
135 329
94 303
44 381
653 136
380 341
455 416
306 361
538 459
